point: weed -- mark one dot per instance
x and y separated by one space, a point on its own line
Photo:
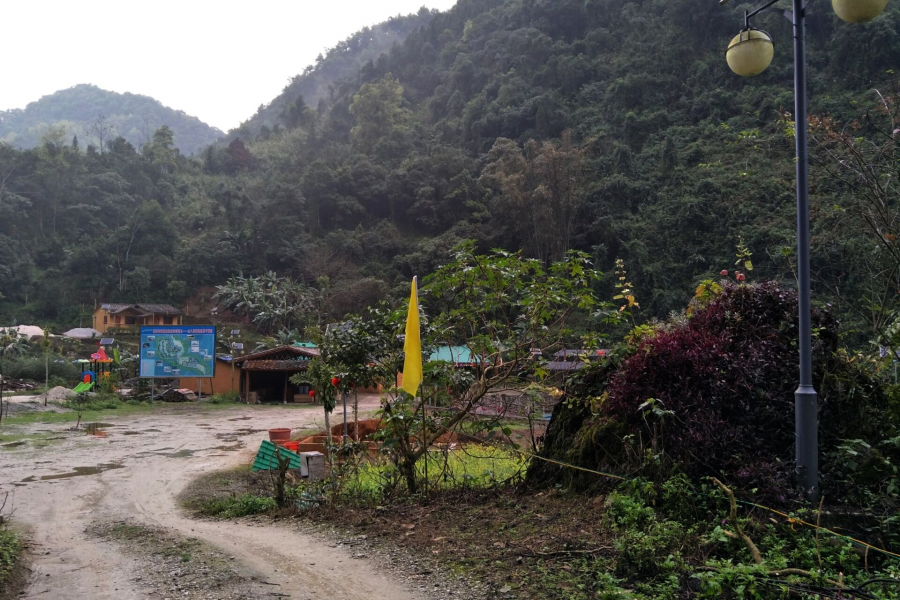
226 398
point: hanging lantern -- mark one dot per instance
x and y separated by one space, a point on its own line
858 11
750 52
312 393
335 381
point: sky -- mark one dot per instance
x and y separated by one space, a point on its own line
217 60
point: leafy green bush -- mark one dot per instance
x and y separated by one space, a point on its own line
9 554
237 506
32 368
225 398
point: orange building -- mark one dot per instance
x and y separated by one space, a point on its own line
219 383
133 316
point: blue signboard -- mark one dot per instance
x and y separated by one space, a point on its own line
178 351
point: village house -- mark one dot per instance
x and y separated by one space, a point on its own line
265 375
133 316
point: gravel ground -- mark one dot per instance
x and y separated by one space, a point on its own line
169 566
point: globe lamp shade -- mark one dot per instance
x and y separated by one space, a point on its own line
750 52
858 11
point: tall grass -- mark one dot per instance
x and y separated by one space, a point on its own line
469 467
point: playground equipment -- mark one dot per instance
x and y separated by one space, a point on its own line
98 367
87 382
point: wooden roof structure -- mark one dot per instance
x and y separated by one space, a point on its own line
141 309
282 358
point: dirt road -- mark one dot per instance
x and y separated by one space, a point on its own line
134 473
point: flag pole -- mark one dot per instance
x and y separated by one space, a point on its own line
422 396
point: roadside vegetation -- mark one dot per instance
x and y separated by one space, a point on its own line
11 579
10 549
665 473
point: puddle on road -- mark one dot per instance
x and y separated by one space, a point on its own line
179 454
237 446
78 472
240 419
247 431
13 444
132 433
153 431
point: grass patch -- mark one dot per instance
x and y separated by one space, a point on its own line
236 506
99 412
93 414
10 550
96 404
473 467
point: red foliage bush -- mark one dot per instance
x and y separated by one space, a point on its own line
728 374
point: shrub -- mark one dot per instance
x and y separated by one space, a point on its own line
713 395
716 392
9 554
226 398
32 368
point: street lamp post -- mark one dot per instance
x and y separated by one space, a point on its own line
749 54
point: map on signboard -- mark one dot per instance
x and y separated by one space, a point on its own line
178 351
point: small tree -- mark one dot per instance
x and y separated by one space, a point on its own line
319 376
504 308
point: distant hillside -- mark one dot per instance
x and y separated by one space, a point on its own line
78 108
341 62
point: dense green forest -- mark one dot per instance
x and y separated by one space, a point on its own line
96 116
608 126
317 81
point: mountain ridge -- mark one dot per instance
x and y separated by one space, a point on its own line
75 111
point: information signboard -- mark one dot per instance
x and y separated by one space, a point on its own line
169 351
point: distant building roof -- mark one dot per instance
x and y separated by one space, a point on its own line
565 365
458 355
82 333
149 309
575 352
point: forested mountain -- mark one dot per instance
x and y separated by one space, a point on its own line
609 126
317 81
96 116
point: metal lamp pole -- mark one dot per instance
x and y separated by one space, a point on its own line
749 54
805 398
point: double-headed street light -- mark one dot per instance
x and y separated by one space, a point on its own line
749 54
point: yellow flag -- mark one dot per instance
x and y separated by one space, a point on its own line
412 346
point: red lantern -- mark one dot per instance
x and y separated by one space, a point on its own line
335 381
312 393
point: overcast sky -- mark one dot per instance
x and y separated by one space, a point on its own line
215 59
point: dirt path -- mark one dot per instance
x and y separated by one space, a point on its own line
135 473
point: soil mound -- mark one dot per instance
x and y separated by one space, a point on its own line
367 428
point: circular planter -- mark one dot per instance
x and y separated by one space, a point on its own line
279 435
